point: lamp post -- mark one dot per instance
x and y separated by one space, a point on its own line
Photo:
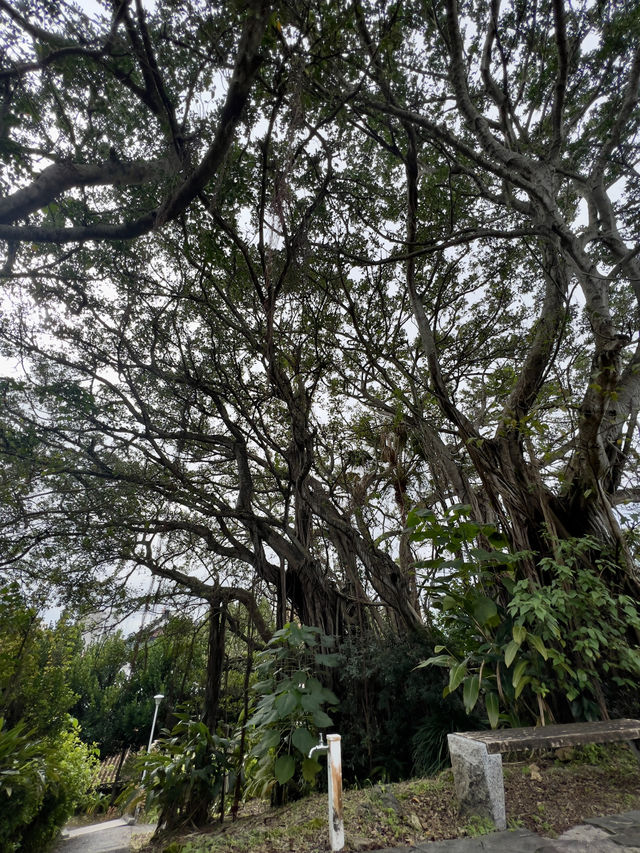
158 699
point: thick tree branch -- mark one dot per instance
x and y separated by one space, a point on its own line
56 179
245 68
560 88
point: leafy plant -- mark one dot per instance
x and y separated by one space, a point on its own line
478 826
555 636
34 665
290 710
42 781
580 625
22 782
184 775
479 630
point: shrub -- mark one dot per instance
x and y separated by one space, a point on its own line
393 720
534 648
290 711
184 775
42 782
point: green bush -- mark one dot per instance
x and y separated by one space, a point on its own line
42 782
527 649
184 775
393 720
22 782
34 666
290 711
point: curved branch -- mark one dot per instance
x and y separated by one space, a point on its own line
244 72
60 177
549 325
629 103
245 69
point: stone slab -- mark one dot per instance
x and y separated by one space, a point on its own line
478 780
583 839
628 839
510 841
552 737
619 834
615 823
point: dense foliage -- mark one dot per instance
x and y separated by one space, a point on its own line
392 719
184 776
46 770
278 273
115 680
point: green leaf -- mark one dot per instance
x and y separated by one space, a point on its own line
510 652
508 583
484 610
521 685
481 555
470 693
310 769
286 703
269 739
321 719
439 660
300 678
284 769
538 645
498 540
493 709
303 740
311 702
519 634
518 672
456 674
329 696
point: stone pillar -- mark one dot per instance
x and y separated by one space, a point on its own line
478 779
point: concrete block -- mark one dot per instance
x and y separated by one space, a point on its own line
478 780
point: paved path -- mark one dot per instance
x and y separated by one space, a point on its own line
616 834
110 836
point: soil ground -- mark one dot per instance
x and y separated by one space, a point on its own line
545 793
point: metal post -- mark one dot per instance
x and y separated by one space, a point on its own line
334 773
158 699
334 776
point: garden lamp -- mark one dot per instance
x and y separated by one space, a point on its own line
158 699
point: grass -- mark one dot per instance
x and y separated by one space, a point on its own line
558 795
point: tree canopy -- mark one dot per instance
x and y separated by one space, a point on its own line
277 273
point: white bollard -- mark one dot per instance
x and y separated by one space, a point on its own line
334 772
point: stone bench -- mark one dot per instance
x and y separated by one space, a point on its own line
477 761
